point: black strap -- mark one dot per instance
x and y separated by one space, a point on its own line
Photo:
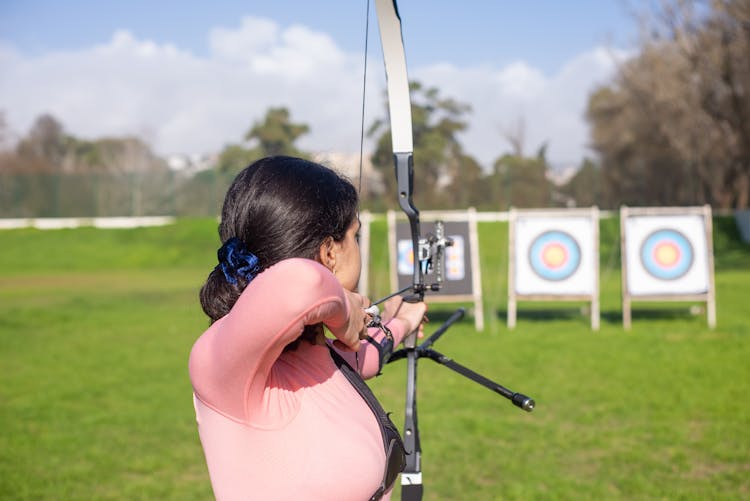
385 350
392 443
365 392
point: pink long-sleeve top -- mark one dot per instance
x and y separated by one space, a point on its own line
278 425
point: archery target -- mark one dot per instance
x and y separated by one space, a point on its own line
455 263
666 255
554 255
405 257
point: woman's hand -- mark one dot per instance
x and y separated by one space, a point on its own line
356 329
412 314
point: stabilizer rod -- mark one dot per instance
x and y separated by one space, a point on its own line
519 399
424 350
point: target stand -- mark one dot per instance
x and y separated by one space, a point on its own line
553 256
667 255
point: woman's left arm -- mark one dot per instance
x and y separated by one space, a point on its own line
366 360
401 319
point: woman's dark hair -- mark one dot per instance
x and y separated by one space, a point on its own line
279 207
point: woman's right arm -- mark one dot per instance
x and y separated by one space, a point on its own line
230 363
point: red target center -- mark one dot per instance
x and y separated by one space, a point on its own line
666 254
554 255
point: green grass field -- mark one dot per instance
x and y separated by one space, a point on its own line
95 400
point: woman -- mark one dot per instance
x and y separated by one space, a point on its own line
280 415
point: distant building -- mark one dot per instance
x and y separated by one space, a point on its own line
190 164
347 164
560 175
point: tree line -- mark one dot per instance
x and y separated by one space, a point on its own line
48 148
672 127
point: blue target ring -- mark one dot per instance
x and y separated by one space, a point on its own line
666 254
554 255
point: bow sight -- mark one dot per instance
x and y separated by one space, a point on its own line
430 257
432 254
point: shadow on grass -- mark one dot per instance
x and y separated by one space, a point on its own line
583 314
662 313
547 314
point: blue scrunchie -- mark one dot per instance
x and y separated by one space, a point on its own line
235 260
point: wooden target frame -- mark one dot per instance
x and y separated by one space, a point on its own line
585 214
365 219
707 253
469 289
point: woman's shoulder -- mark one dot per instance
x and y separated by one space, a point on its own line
299 282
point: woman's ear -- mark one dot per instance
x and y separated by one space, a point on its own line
327 254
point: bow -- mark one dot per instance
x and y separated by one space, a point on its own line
399 108
428 252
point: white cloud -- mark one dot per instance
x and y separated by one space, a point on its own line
183 103
254 36
263 47
550 107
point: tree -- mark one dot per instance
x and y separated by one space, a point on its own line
234 157
116 154
441 165
44 148
52 173
520 181
47 148
467 186
274 135
639 167
674 125
517 180
585 187
5 133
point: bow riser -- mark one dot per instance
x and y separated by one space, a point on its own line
405 178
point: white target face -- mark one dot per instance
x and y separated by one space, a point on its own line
554 255
666 255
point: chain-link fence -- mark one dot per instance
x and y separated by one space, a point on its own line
112 194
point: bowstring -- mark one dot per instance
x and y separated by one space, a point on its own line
364 92
362 122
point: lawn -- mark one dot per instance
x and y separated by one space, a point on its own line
96 327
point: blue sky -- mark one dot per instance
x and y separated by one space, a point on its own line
545 33
529 62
